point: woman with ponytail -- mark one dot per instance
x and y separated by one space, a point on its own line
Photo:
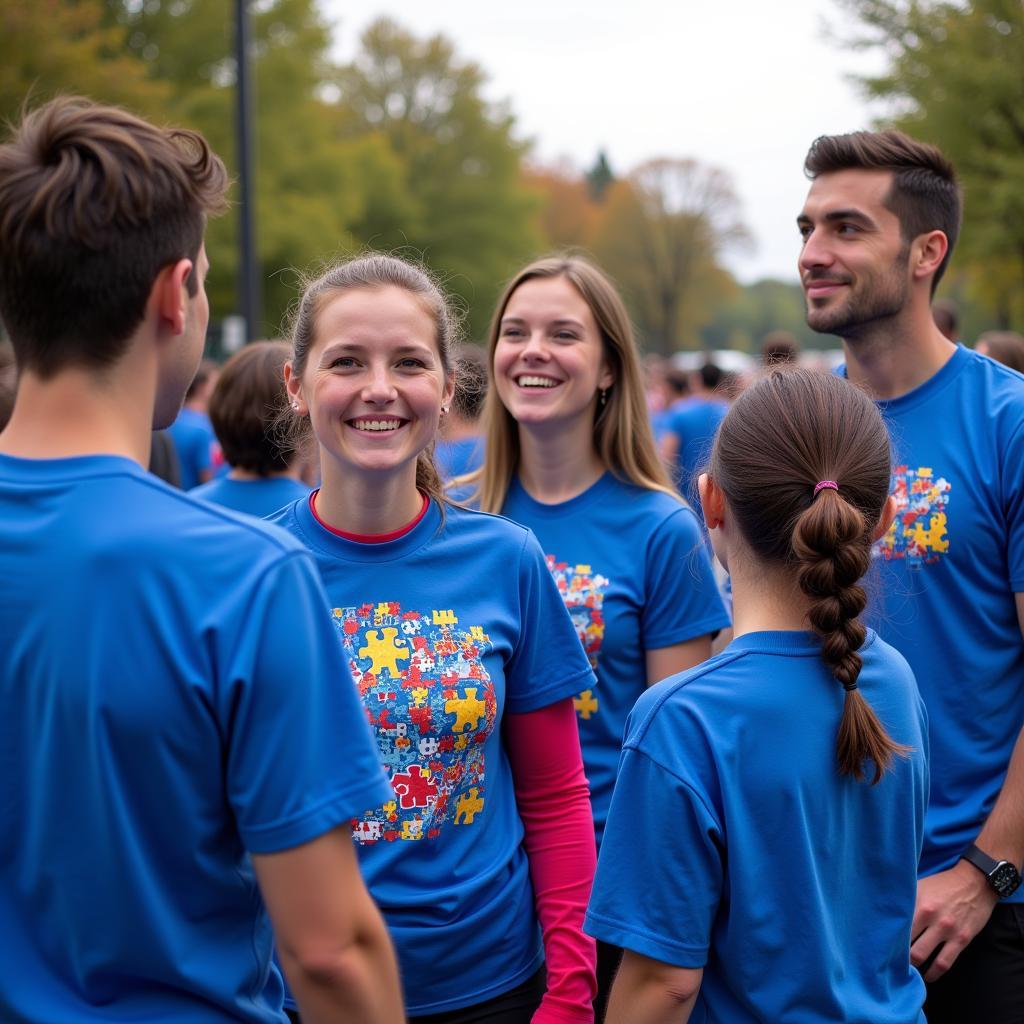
760 857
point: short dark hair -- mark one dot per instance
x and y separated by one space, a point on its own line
710 375
779 348
1006 347
94 203
246 405
925 194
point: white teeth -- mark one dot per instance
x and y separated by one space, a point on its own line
376 424
536 382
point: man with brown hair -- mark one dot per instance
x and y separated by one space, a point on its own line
878 229
172 697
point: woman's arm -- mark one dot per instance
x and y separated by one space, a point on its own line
667 661
553 797
647 991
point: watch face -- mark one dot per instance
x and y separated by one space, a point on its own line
1004 879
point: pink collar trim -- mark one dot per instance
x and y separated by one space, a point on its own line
369 538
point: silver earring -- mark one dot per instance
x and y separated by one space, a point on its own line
295 406
604 396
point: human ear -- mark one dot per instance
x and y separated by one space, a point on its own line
293 385
929 251
170 296
885 520
712 501
449 391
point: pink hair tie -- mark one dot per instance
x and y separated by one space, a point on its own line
822 485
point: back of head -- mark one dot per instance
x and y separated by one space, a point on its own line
1006 347
94 202
803 461
925 195
710 375
622 431
245 405
470 382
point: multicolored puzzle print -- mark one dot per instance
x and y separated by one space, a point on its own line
918 533
583 592
431 705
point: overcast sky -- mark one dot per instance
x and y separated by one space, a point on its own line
744 85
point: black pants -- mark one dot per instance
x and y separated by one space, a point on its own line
985 985
608 960
514 1007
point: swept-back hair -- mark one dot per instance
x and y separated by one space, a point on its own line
94 203
925 194
372 271
622 429
784 435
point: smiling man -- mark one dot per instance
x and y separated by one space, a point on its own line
878 229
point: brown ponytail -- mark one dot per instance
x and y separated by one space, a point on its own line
780 439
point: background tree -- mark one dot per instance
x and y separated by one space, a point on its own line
473 211
662 237
954 78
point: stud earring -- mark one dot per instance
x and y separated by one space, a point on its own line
603 396
295 406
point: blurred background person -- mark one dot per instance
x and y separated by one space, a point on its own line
460 448
779 348
1006 347
245 405
192 432
947 317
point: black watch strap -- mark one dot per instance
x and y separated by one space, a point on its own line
1002 876
982 861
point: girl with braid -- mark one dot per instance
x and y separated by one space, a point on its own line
760 857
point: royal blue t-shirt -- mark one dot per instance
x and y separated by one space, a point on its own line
694 422
158 658
734 845
446 629
633 571
946 575
196 444
259 498
456 458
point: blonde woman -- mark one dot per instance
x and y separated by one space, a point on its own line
570 455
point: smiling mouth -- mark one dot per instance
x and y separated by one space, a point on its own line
529 381
376 426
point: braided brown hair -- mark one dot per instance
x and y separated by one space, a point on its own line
782 437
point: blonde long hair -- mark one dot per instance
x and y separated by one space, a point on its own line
622 431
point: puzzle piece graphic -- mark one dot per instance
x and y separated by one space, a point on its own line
444 618
585 704
384 651
414 787
468 710
478 635
469 805
931 539
412 829
419 696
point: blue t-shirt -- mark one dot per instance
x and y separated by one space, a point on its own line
694 422
159 658
258 498
946 575
733 844
456 458
196 444
446 629
634 573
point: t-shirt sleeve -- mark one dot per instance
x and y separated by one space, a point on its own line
682 601
1013 484
548 663
300 756
660 870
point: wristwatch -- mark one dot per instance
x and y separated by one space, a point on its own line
1001 874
